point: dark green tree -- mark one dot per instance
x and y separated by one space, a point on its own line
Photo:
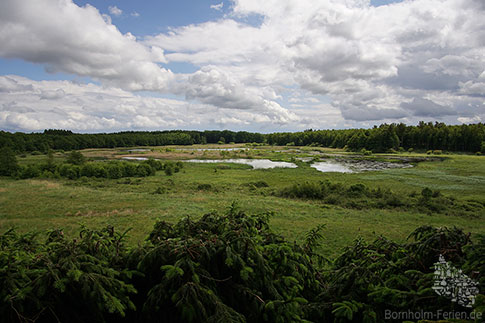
8 162
76 158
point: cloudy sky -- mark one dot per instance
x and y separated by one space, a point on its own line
273 65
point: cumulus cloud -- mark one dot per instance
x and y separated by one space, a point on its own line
426 108
211 85
37 105
115 11
368 60
9 84
217 7
356 64
78 40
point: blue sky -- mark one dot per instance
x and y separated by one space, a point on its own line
278 65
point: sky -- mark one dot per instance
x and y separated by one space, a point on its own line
265 66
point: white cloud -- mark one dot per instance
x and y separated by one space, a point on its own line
114 10
359 64
36 105
135 14
217 7
78 40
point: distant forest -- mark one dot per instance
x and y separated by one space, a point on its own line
383 138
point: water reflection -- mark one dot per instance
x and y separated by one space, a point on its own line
255 163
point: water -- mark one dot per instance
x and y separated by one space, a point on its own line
327 167
255 163
134 158
212 149
356 166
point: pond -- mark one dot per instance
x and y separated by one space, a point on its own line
134 158
355 166
255 163
327 167
213 149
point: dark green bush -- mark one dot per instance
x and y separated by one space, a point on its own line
143 170
30 171
204 187
114 170
168 169
76 158
64 280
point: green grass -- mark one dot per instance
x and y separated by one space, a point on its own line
43 204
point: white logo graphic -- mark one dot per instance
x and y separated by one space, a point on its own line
452 283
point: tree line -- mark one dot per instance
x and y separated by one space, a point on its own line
424 136
55 139
386 137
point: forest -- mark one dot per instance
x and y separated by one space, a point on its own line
383 138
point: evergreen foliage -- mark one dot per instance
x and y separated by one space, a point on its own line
225 268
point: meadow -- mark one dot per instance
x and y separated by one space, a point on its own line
137 203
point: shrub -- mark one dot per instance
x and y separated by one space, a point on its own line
155 164
78 280
88 170
30 171
357 190
168 170
129 169
204 187
160 190
69 171
100 171
114 171
75 158
308 190
228 268
143 170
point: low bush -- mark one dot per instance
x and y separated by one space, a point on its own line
359 196
204 187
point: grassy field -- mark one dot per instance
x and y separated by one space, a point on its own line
41 204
